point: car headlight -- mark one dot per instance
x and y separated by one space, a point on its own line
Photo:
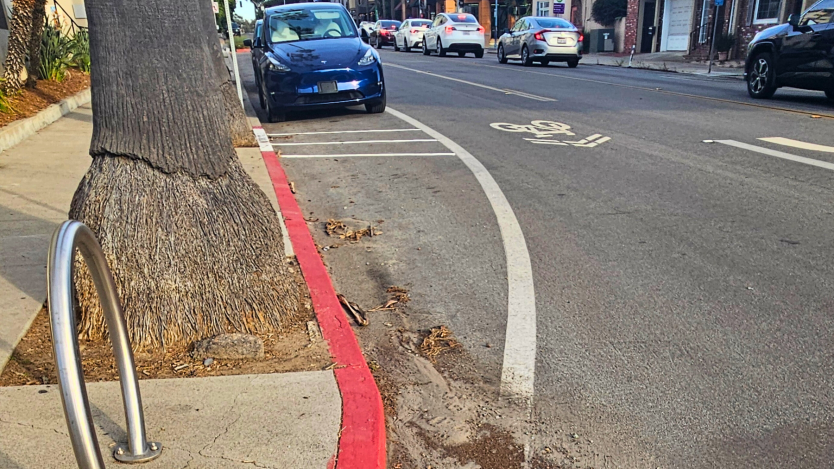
276 66
368 58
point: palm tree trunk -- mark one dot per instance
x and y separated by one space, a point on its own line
242 135
18 45
193 243
35 39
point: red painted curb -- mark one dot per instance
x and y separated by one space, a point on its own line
362 442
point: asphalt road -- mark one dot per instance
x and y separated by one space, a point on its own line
683 287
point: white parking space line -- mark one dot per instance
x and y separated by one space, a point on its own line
479 85
350 155
519 366
798 144
777 154
343 132
354 142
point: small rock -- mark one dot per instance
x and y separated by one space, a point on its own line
235 346
208 361
574 436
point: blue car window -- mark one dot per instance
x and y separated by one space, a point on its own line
309 24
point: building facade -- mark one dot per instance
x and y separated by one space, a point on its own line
687 25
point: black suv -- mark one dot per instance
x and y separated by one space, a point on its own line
799 54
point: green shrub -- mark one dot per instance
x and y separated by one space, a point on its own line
724 42
55 55
606 12
5 104
80 50
60 52
239 42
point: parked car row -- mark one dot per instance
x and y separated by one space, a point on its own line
311 56
532 39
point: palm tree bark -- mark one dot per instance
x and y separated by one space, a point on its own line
193 243
242 135
35 39
18 45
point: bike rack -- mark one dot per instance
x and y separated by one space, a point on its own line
69 236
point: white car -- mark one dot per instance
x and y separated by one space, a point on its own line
365 29
454 32
410 34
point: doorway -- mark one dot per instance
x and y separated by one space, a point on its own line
647 39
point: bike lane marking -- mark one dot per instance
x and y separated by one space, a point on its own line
798 144
776 153
519 362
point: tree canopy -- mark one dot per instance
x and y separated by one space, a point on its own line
606 12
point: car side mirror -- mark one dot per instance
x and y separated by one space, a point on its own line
247 43
506 31
793 20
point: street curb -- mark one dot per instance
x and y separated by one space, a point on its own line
362 439
22 129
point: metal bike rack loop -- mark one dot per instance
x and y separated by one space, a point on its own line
69 236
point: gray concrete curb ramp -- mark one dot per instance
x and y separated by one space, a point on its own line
20 130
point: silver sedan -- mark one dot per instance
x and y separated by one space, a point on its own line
541 39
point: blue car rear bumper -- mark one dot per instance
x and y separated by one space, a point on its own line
299 91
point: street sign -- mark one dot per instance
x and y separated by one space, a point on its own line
215 7
719 3
559 7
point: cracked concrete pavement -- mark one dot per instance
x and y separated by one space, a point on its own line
269 421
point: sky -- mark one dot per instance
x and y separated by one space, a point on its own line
245 9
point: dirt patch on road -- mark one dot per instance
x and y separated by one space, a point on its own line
295 349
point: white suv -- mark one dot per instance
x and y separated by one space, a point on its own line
454 32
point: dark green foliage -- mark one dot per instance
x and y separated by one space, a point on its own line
60 52
606 12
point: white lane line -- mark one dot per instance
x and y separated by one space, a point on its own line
260 135
519 368
353 142
479 85
777 154
798 144
343 132
349 155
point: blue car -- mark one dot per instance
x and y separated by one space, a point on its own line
313 58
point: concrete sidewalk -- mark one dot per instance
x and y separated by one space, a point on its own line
667 62
664 62
287 420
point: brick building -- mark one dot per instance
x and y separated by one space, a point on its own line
686 25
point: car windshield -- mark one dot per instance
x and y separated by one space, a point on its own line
389 24
463 18
421 23
556 23
309 24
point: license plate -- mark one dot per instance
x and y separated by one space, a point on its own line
328 87
561 40
466 33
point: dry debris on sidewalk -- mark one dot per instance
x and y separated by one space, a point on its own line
337 228
439 340
398 296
